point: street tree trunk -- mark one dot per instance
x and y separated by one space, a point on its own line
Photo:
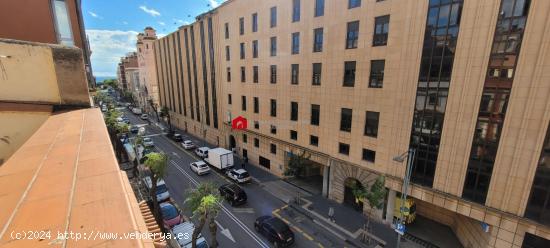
197 231
213 230
153 194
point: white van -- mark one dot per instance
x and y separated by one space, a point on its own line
202 152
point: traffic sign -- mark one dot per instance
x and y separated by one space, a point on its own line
400 229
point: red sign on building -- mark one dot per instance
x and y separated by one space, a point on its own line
239 123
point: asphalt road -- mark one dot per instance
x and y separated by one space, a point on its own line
235 224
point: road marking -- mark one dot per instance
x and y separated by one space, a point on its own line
244 210
176 155
225 210
225 231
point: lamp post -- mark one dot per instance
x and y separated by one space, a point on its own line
401 158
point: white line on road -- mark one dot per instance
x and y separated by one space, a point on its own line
225 210
225 231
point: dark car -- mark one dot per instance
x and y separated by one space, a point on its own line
275 230
177 137
233 194
134 129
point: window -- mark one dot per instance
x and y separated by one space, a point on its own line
371 124
319 8
243 103
243 74
345 120
241 25
256 142
354 4
343 148
62 23
229 99
226 30
255 73
294 75
352 35
228 74
273 76
242 51
273 17
381 28
313 140
318 40
273 108
376 79
245 138
264 162
369 155
273 129
273 148
273 46
254 49
256 124
316 77
256 105
293 135
293 111
349 73
295 43
315 112
255 22
227 53
295 10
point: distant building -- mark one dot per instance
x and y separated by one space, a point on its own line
148 90
51 21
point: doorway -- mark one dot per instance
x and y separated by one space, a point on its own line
351 184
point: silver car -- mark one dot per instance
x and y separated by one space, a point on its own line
148 142
199 167
187 144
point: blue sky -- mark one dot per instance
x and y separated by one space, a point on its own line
112 25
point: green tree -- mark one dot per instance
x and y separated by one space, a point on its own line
157 163
154 107
296 164
373 196
205 202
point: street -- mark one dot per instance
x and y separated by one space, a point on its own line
235 224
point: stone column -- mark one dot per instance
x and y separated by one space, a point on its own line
390 206
326 178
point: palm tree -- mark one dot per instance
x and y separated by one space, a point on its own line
205 202
157 163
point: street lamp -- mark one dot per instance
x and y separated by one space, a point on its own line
401 158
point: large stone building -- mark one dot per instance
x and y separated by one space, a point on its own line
354 84
148 91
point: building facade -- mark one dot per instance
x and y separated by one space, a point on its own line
50 21
148 91
356 83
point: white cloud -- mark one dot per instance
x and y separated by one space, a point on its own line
151 11
125 22
94 15
162 23
215 3
178 20
107 47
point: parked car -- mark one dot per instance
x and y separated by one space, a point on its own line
162 191
144 116
125 120
177 137
182 234
187 144
239 175
136 111
134 129
202 152
233 194
170 215
275 230
199 167
148 142
104 109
